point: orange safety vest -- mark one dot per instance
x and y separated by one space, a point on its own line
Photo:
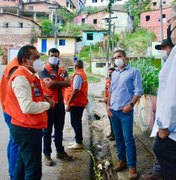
53 93
37 121
107 87
82 97
4 81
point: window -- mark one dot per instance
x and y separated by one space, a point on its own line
90 36
61 42
30 7
154 3
83 20
100 65
164 2
21 25
94 21
94 1
6 25
164 16
147 18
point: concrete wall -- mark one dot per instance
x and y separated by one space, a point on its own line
98 70
144 112
153 24
14 26
68 49
97 37
102 2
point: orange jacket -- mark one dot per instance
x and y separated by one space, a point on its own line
107 87
53 93
4 81
37 121
82 97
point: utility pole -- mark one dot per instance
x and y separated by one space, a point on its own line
55 31
109 38
161 18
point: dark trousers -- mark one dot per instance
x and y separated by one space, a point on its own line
76 113
12 148
28 165
165 151
56 118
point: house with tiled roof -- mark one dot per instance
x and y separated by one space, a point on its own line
16 31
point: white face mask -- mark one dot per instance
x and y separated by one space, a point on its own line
38 65
119 62
53 60
164 55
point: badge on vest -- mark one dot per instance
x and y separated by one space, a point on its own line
62 75
36 92
52 76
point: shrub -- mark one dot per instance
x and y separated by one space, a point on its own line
149 75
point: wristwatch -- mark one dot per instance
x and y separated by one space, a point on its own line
132 104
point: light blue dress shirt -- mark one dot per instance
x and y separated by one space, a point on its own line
124 85
77 82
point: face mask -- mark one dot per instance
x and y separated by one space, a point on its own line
164 55
53 60
109 75
119 62
170 35
38 65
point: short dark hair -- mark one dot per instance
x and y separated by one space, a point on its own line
24 52
79 64
121 51
111 69
53 50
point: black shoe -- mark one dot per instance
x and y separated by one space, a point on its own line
63 155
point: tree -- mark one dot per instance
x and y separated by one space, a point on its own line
135 8
47 27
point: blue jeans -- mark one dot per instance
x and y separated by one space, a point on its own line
76 113
12 148
28 165
122 124
56 118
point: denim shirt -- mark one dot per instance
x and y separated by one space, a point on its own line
124 85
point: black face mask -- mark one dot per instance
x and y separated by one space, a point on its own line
169 32
109 75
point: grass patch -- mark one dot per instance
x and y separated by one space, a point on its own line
92 79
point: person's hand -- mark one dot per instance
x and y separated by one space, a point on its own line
67 108
109 111
127 109
163 133
48 82
50 101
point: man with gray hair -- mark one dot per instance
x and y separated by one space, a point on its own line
76 98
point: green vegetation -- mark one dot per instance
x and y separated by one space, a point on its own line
136 43
149 75
74 29
47 27
92 79
135 8
1 51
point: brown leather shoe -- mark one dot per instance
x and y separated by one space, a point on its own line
132 173
121 165
150 176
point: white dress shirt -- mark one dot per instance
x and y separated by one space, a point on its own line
166 98
22 90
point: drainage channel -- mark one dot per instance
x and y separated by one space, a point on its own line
100 153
